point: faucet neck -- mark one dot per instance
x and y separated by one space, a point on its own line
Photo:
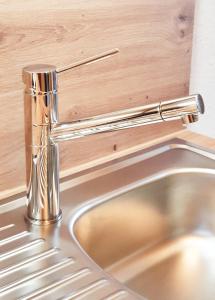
42 155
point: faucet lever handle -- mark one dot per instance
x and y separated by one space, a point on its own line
88 60
42 78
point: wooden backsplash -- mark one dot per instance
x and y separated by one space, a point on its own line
154 38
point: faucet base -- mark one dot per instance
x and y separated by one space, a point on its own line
44 222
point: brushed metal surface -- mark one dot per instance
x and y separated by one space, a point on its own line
158 246
158 238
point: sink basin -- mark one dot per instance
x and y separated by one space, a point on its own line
157 234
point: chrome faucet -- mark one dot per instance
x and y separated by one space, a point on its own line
43 131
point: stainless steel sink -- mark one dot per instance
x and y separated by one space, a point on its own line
138 227
158 236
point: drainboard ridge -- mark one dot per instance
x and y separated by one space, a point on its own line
31 269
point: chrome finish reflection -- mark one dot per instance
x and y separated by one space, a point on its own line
43 130
187 109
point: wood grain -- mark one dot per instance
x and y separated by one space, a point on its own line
154 38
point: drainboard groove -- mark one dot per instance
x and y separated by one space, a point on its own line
36 275
6 227
57 284
86 289
35 258
21 249
116 295
14 237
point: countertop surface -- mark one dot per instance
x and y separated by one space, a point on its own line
198 139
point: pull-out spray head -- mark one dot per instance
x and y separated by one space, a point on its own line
187 108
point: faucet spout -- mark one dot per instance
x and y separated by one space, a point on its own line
186 109
43 131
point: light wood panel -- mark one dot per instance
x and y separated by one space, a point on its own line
154 38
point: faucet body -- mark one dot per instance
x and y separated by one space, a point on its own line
43 131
